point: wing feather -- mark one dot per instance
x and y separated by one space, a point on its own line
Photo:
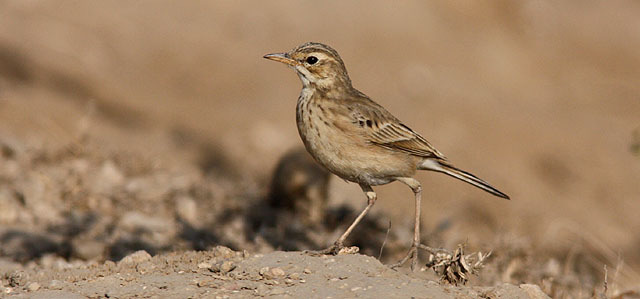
387 131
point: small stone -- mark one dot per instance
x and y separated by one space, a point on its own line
223 266
135 258
354 289
55 285
306 271
204 265
294 276
17 278
289 281
223 252
263 270
34 286
277 272
349 250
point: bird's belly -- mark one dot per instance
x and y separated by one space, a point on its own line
350 158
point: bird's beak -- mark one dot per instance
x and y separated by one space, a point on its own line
281 57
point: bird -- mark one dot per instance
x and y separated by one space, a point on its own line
357 139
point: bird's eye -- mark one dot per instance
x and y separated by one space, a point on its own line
312 60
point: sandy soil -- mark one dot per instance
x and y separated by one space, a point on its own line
159 127
223 273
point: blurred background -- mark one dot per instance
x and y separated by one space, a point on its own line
158 125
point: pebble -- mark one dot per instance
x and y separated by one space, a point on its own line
204 265
263 270
294 276
306 271
55 285
223 266
34 286
349 250
277 272
223 252
135 258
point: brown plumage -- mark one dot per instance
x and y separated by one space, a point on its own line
356 138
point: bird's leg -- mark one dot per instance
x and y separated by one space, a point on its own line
413 251
339 244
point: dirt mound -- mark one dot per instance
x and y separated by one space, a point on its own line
223 273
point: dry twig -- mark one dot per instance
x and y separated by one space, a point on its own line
455 267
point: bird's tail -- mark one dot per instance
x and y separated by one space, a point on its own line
446 168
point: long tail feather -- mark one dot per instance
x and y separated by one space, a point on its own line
441 166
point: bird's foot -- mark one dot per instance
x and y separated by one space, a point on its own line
413 255
335 249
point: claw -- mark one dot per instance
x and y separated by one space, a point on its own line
331 250
412 254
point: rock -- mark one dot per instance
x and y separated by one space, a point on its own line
135 258
225 266
272 273
56 285
34 286
17 278
349 250
294 276
277 272
223 252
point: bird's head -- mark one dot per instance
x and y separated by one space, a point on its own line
317 65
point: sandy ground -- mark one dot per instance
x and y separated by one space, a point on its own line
157 126
222 273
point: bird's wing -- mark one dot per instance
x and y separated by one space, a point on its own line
381 128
